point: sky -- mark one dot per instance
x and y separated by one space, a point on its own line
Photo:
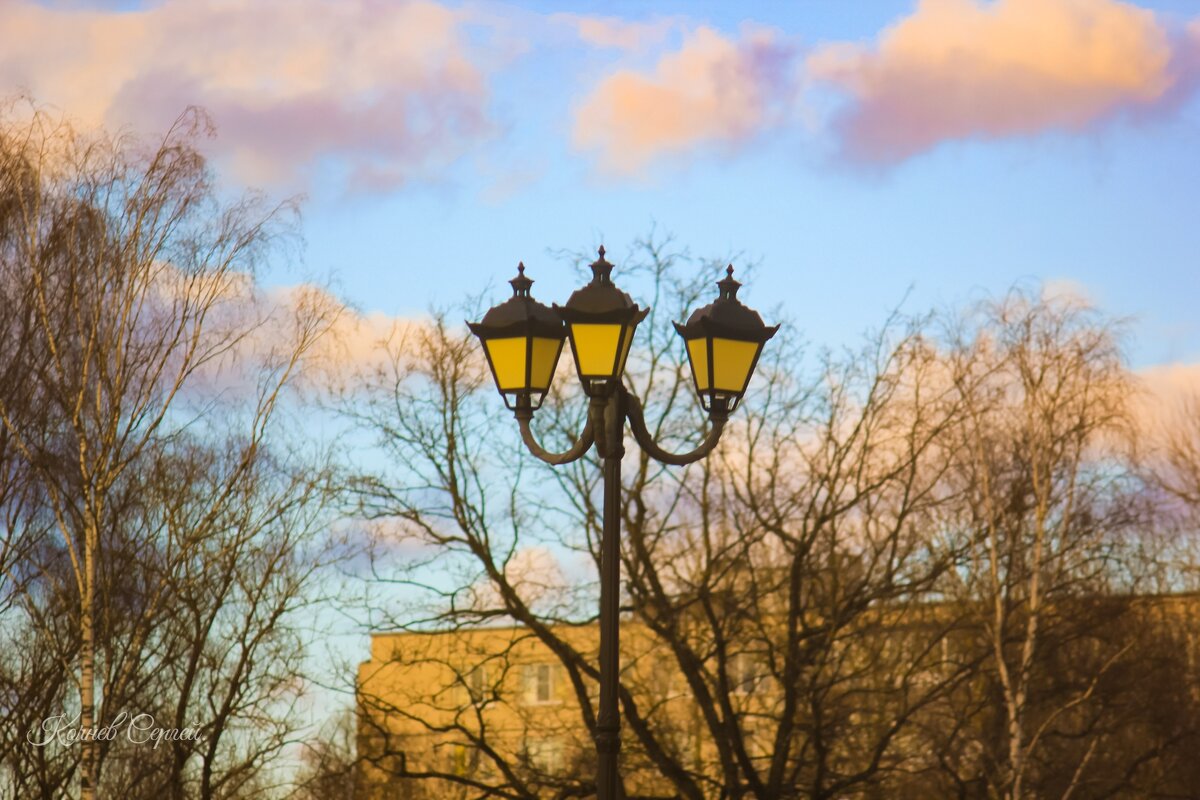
861 153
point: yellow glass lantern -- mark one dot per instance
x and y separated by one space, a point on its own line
522 340
600 321
724 340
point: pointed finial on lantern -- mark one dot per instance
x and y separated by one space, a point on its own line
601 269
521 283
728 285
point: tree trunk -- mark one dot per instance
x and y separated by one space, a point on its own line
87 672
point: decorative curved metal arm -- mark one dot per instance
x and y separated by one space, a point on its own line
575 453
638 423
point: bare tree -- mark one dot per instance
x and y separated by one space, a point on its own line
1176 462
125 277
784 583
328 772
911 570
1046 492
33 685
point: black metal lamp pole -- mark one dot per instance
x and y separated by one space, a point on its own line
606 423
723 340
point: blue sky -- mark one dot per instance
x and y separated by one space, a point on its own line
857 150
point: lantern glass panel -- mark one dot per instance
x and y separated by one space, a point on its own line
732 361
508 362
698 356
625 350
596 347
545 357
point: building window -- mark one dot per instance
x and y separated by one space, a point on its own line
477 684
539 683
743 674
462 760
546 755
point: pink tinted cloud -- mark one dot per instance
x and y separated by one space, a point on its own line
959 69
1168 387
1165 409
713 91
617 33
342 347
387 91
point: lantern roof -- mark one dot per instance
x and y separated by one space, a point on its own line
519 315
600 300
727 316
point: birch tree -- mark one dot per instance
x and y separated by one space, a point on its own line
124 277
1046 495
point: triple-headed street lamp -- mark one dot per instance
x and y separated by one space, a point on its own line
523 340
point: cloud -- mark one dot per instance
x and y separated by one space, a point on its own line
534 573
713 91
617 33
386 92
257 331
961 69
1067 291
353 343
1167 390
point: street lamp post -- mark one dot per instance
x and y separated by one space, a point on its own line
523 339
